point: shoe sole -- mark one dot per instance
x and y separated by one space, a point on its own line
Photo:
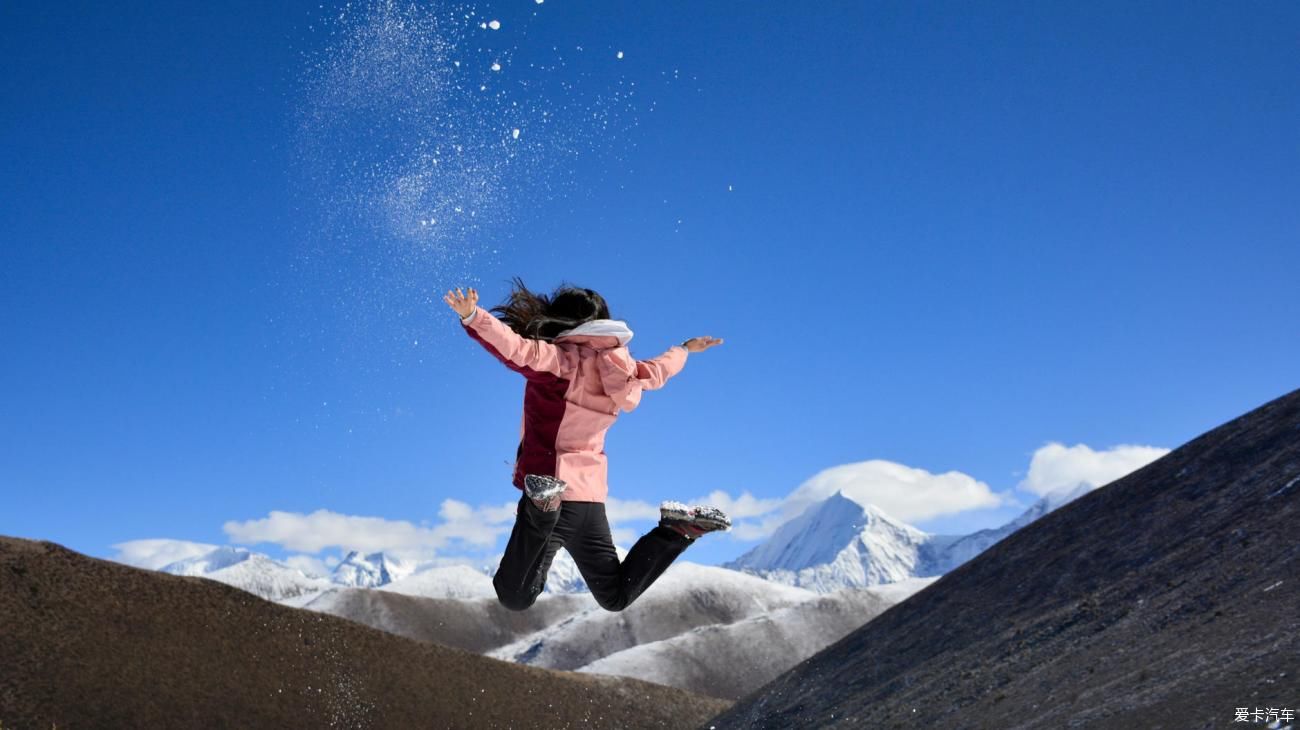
676 511
712 518
544 491
543 487
708 519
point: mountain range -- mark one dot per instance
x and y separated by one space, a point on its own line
841 543
817 578
835 544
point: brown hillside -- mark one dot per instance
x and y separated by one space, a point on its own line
89 643
1166 599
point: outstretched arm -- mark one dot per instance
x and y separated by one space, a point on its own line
653 373
500 339
625 379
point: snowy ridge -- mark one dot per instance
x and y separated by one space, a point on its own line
840 543
370 571
967 547
687 596
705 659
248 571
449 581
564 576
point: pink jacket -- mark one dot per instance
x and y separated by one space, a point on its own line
576 388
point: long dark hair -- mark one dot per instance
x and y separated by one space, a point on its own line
542 317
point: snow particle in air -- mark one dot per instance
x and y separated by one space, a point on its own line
619 55
514 133
494 25
496 66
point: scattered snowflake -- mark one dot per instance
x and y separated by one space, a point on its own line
393 138
620 54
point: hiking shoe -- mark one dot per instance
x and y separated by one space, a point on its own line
544 491
691 521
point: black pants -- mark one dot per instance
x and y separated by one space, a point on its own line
580 528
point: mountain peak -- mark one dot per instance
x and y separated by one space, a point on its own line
838 542
840 501
222 557
370 570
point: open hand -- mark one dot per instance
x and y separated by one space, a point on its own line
460 302
700 344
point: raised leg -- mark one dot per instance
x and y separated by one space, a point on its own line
616 585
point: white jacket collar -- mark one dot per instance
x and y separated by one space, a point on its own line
600 328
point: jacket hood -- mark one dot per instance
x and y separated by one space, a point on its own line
615 328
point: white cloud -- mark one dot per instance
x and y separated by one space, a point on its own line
1057 467
739 508
625 537
904 492
154 554
744 510
908 493
309 565
310 533
621 511
629 510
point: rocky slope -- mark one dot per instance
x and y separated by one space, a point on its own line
1166 599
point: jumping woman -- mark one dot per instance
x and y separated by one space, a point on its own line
580 376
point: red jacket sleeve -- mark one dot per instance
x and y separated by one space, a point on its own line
522 352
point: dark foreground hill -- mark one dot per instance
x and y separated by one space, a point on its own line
1167 599
88 643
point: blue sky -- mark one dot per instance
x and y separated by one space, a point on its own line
942 236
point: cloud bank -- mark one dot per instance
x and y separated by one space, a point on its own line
907 493
153 554
1057 467
461 524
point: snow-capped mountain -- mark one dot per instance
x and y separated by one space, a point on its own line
447 581
564 576
966 547
705 659
840 543
249 571
687 596
370 571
